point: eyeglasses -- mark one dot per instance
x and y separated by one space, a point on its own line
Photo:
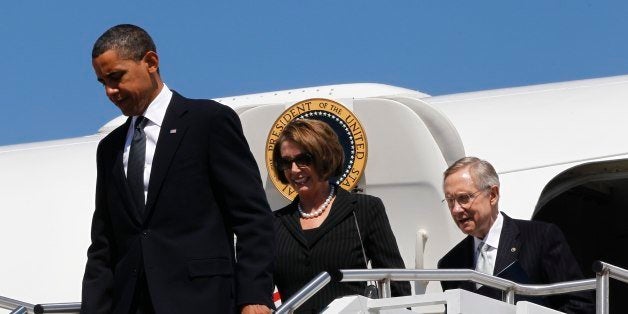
463 199
302 160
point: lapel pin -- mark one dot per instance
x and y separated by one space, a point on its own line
173 131
513 249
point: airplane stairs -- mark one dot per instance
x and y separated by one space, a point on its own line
457 301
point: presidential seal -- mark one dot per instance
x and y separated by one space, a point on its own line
346 125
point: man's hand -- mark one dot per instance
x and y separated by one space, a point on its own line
255 309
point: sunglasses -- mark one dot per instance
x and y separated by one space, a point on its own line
302 160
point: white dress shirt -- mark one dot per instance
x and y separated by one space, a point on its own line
492 239
155 115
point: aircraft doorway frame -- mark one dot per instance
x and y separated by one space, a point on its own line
589 203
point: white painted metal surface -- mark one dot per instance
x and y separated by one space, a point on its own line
349 91
46 204
531 134
458 302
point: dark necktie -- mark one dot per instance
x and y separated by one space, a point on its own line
135 166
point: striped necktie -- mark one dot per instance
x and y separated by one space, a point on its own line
483 263
135 165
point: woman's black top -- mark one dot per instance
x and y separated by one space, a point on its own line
310 234
334 245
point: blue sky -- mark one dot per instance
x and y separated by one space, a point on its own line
218 48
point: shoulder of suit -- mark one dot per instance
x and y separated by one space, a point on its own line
356 197
118 132
206 102
200 104
532 225
367 207
286 210
454 254
361 201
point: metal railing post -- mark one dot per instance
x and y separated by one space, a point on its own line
19 310
380 289
57 308
420 286
601 293
602 278
509 289
383 277
510 296
305 293
12 304
386 289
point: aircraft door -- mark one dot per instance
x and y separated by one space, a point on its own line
588 202
404 169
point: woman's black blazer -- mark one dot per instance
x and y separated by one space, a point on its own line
336 245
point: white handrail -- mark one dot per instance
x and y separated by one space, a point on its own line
74 307
23 307
20 310
384 276
604 272
419 258
12 304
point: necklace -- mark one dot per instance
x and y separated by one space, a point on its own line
320 210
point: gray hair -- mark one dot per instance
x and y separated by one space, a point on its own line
482 171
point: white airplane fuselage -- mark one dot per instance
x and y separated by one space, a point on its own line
559 150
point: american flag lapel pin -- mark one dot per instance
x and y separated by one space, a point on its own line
173 131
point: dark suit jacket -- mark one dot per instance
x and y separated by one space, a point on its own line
539 249
204 188
335 246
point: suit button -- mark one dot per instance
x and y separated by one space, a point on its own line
145 233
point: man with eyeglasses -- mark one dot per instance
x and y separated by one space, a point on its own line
528 252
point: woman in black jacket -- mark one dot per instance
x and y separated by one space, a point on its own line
325 227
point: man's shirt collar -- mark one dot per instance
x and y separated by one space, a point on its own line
492 238
156 110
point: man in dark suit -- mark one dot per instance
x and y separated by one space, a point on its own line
527 252
174 184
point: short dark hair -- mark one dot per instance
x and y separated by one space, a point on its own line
316 138
129 41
